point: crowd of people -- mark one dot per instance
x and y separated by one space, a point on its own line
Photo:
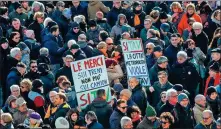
182 47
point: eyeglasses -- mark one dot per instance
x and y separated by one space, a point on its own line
163 122
109 43
76 28
204 118
61 5
34 66
163 96
174 96
124 107
149 48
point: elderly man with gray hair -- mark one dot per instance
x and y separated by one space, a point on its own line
208 121
91 121
184 72
200 106
82 42
126 123
15 91
43 58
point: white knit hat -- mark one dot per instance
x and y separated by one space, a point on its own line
29 33
61 123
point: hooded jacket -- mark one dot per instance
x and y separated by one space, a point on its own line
7 107
94 34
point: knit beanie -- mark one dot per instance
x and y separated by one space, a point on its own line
214 67
3 40
165 27
210 90
51 23
74 46
75 24
182 96
126 92
163 15
150 111
35 115
37 83
92 23
178 87
62 123
17 5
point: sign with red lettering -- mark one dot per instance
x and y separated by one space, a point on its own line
135 60
89 75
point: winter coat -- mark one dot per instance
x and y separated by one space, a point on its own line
3 59
143 33
101 109
183 22
140 98
7 107
167 107
158 89
156 41
60 112
32 75
171 53
94 6
112 75
112 16
5 24
183 116
88 50
176 20
198 112
7 126
147 124
115 119
50 113
104 25
72 35
66 71
94 34
201 41
14 77
22 17
215 106
19 117
79 55
216 82
80 10
80 122
37 28
186 75
34 48
21 31
159 105
153 73
43 59
55 52
30 103
38 101
198 55
151 60
95 125
201 125
48 81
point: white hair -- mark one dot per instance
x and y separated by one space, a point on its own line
198 98
44 51
197 25
124 120
71 42
151 44
210 113
14 87
82 37
182 54
169 93
46 21
14 51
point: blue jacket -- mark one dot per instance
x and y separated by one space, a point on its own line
72 35
201 125
48 81
115 119
140 98
95 125
80 10
171 53
55 52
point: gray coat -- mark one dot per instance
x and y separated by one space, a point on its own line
147 124
19 117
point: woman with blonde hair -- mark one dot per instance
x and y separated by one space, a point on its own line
166 119
177 13
6 121
26 86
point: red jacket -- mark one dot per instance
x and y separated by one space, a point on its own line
216 82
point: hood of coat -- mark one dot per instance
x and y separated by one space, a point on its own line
99 103
118 19
216 21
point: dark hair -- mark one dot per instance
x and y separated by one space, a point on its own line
133 109
22 126
62 96
100 93
46 126
66 83
71 111
191 20
61 79
32 61
3 10
12 35
21 64
36 84
174 35
167 116
15 19
54 28
120 101
104 35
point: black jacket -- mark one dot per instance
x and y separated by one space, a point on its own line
32 75
215 106
37 28
101 109
66 71
201 41
79 55
167 107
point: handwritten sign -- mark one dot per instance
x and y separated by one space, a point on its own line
135 60
89 75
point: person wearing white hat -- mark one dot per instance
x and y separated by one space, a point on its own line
61 122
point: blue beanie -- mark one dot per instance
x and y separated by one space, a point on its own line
165 27
182 96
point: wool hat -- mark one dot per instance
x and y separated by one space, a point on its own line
29 33
17 5
182 96
126 92
20 101
214 67
178 87
218 50
75 24
43 68
118 87
49 4
150 111
125 28
162 59
3 40
92 23
74 46
136 3
128 2
210 90
10 99
51 23
35 115
37 83
62 123
163 15
157 48
165 27
157 8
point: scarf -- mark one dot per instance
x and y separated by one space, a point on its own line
136 17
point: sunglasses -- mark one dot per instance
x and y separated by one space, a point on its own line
109 43
124 107
76 28
163 122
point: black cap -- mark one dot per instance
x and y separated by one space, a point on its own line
178 87
92 23
37 83
157 48
49 4
74 46
210 90
214 67
17 5
75 24
3 40
218 50
51 23
163 15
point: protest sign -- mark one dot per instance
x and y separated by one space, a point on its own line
135 60
89 75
